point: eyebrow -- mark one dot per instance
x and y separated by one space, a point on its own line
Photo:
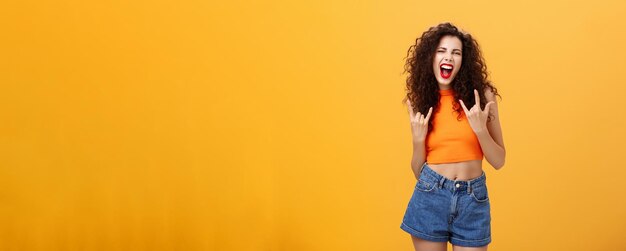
441 47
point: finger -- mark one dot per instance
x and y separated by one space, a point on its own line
421 118
487 106
430 111
464 108
477 97
410 108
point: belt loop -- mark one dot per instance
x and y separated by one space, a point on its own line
441 182
469 186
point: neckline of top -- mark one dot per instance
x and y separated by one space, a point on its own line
447 92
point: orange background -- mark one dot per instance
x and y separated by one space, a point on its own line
278 125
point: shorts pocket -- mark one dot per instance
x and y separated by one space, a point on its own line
425 185
480 194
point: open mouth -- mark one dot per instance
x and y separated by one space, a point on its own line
445 70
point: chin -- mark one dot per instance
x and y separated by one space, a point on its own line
447 82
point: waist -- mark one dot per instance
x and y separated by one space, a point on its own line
463 170
428 174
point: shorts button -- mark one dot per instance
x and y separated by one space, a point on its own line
458 185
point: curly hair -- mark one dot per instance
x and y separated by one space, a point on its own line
421 84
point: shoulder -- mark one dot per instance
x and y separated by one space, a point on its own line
489 94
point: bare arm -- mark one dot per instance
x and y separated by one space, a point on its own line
419 157
494 153
419 130
489 133
491 140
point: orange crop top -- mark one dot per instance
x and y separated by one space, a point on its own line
451 140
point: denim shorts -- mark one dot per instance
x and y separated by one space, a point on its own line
445 210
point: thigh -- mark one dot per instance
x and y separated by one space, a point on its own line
421 244
459 248
472 225
428 212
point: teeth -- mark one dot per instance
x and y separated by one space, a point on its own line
447 67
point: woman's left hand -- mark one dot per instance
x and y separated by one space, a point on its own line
477 117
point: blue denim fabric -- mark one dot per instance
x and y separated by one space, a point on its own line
444 210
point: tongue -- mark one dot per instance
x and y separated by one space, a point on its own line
445 73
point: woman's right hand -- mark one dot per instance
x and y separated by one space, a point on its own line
419 123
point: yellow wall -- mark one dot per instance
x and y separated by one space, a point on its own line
278 125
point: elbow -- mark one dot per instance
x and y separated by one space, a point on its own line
500 164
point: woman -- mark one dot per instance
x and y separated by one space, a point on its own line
448 82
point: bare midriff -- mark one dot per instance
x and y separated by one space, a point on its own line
465 170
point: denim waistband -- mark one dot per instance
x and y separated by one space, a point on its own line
452 185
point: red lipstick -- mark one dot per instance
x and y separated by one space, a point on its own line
446 71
